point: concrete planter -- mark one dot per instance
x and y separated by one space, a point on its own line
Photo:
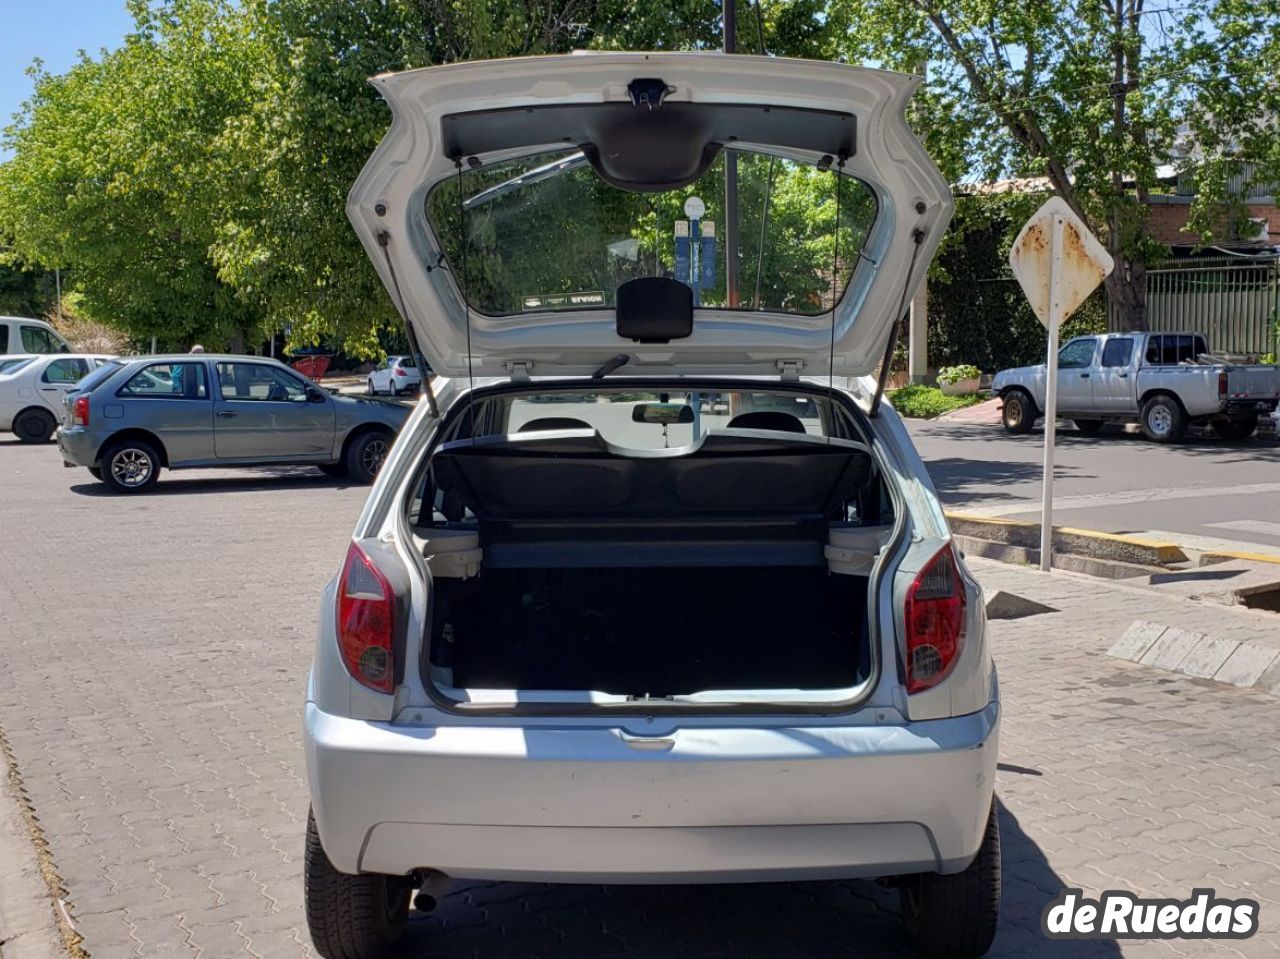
961 387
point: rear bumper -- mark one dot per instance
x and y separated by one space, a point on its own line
78 446
590 804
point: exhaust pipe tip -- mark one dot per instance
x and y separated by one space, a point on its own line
424 902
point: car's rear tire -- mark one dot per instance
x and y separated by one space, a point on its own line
956 916
95 473
1018 412
365 454
351 917
372 391
1240 429
1090 427
1163 420
130 466
34 426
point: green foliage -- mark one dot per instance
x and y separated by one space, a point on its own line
112 173
925 402
954 374
977 312
1089 95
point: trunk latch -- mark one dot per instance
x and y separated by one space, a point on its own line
789 370
520 370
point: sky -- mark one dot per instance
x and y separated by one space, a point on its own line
55 31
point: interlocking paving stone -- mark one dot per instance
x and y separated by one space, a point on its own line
156 652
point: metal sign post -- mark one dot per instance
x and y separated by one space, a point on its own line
1051 395
1058 263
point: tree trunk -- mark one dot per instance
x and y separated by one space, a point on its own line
1127 292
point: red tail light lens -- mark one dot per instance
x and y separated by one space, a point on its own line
366 619
400 372
80 411
935 622
1222 385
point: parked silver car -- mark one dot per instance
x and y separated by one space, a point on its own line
129 419
1162 381
588 631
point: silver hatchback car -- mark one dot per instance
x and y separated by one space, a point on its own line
652 589
130 418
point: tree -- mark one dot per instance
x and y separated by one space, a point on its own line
111 173
1088 94
291 158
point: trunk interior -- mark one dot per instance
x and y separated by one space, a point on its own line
655 631
562 565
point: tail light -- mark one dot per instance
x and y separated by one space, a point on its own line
366 619
935 615
400 371
80 411
1222 385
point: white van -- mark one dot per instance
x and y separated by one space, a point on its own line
18 334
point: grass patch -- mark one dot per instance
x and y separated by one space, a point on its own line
925 402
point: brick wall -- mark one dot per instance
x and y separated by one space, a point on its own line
1169 214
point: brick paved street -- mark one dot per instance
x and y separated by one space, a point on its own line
156 651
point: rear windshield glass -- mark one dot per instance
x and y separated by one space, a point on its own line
97 376
12 365
545 233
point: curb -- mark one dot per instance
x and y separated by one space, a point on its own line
1246 664
1091 544
1210 557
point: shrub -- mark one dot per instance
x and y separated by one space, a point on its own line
925 402
954 374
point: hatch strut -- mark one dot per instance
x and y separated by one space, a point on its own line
383 239
917 237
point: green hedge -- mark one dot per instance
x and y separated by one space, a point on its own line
977 312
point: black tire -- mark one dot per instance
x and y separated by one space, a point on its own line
351 917
1090 427
95 473
34 426
372 391
1019 412
336 470
1163 420
956 916
129 466
1240 429
365 454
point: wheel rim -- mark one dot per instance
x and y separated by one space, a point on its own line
33 427
131 467
375 451
1160 420
1013 411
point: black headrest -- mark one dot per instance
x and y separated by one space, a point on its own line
654 309
553 423
767 420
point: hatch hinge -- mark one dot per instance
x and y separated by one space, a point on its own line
789 370
520 370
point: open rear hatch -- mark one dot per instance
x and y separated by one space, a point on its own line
511 200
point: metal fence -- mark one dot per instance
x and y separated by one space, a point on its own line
1235 301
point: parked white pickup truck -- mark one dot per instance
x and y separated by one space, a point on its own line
1163 381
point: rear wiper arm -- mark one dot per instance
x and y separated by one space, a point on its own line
622 359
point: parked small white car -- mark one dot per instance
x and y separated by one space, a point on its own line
591 629
396 375
31 391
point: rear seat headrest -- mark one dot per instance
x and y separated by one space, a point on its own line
554 423
767 420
